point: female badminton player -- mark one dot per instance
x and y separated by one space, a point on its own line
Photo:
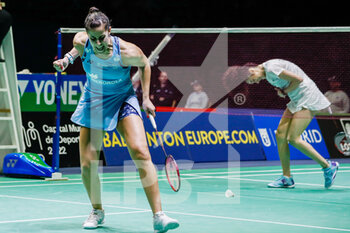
108 102
305 100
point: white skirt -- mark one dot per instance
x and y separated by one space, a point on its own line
307 96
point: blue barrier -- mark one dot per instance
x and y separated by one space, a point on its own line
208 138
266 127
241 134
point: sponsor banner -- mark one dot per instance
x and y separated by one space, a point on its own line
37 99
208 138
38 130
331 129
199 137
267 126
37 92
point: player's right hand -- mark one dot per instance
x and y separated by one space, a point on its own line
61 64
280 92
148 106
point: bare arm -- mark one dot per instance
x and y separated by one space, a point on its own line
294 80
133 56
78 49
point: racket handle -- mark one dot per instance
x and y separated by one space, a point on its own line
153 122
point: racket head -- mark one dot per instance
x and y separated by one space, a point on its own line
342 143
172 173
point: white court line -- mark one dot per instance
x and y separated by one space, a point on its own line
162 175
259 171
296 183
77 179
192 177
81 183
278 174
77 183
68 202
265 174
67 217
284 200
241 177
172 212
260 221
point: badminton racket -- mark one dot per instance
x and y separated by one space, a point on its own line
153 58
171 168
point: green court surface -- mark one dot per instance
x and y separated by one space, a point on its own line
29 205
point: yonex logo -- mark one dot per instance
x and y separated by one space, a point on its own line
12 163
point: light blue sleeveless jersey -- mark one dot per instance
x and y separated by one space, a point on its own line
107 87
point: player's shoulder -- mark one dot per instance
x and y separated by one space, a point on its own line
129 49
80 39
275 61
273 64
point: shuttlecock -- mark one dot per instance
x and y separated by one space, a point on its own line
229 193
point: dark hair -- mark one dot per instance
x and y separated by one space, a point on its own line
95 18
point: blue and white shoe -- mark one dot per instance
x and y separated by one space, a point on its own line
282 182
95 219
330 173
163 223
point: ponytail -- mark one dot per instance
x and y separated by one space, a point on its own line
96 18
93 10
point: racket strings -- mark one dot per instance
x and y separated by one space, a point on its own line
171 168
172 173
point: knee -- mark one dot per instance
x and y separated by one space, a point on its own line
140 152
89 169
293 140
85 165
88 166
280 135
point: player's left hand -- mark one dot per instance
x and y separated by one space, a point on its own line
148 106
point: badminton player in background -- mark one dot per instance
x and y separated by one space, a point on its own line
305 100
109 102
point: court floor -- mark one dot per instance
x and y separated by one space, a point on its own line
32 205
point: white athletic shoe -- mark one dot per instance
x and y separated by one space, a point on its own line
162 223
95 218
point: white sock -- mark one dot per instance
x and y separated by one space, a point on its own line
158 213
